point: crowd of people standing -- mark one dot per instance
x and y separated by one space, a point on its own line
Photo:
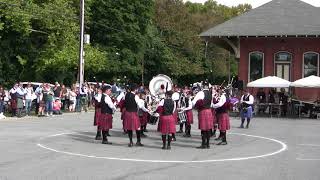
25 99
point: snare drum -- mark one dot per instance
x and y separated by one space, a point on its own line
153 118
182 116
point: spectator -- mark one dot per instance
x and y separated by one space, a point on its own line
72 100
39 94
283 98
57 90
2 96
78 100
13 99
84 97
261 98
64 97
20 94
29 97
48 98
57 107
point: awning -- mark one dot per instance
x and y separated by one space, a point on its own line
308 82
270 82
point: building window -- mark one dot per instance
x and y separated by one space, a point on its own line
283 57
310 64
256 66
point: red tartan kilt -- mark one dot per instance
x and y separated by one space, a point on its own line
97 116
189 117
224 121
105 122
214 116
144 118
205 119
167 124
131 121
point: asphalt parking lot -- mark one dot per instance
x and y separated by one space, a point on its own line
63 147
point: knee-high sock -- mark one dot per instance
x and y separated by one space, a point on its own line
248 121
203 137
169 140
104 135
189 129
138 136
242 121
130 135
224 138
208 137
173 135
164 140
181 127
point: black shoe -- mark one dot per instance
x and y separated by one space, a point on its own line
186 135
169 147
222 143
202 147
208 146
241 126
106 142
98 138
180 131
218 139
247 126
139 144
164 147
130 144
108 134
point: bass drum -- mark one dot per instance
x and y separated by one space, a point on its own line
160 84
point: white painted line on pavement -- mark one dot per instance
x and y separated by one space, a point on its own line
312 145
283 148
305 159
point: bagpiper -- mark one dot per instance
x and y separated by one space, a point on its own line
202 102
222 115
107 110
166 109
131 118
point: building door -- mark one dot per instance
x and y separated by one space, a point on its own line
282 66
283 71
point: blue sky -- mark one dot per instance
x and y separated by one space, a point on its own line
254 3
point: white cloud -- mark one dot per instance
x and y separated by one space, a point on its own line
254 3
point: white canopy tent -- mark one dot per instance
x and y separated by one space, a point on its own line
308 82
270 82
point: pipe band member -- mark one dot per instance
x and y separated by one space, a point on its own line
166 109
223 118
202 102
107 110
143 113
97 112
131 118
246 108
189 114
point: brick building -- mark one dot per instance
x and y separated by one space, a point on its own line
280 38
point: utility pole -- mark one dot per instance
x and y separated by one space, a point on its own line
142 72
81 53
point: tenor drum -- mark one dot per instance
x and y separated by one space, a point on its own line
182 116
154 118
